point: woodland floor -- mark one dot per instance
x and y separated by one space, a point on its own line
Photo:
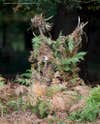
16 114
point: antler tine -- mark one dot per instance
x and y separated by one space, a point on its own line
78 22
84 24
47 19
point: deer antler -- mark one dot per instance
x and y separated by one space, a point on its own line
78 32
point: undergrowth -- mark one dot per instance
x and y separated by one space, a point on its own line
91 109
42 108
25 78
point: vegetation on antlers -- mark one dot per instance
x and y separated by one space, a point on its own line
50 56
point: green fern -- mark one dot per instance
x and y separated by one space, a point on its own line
54 89
92 108
95 95
42 108
73 60
68 64
70 44
25 78
16 105
36 42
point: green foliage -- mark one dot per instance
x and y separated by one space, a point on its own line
42 108
36 42
89 113
66 61
16 105
91 109
3 109
63 49
25 78
95 95
70 44
68 64
54 89
12 105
